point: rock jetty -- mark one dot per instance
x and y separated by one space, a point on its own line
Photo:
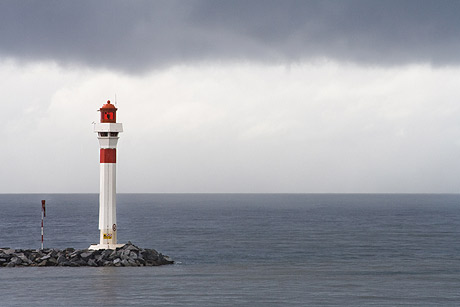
128 255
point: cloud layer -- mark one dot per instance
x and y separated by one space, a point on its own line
137 36
236 128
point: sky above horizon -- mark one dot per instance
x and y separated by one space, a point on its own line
232 96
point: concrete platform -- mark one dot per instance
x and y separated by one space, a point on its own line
105 246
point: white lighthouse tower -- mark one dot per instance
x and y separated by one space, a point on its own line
107 133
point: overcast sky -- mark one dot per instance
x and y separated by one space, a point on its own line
232 96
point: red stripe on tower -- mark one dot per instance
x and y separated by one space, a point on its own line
108 155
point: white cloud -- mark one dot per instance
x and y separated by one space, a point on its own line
318 127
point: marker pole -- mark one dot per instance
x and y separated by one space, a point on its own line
43 215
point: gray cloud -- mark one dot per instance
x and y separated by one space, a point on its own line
136 36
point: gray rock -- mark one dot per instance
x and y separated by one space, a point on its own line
61 259
5 256
9 251
86 255
141 261
43 263
125 255
81 262
113 255
16 260
53 253
132 255
131 248
91 262
132 262
128 255
52 261
168 260
106 253
45 257
75 254
32 256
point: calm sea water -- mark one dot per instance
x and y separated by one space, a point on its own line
244 250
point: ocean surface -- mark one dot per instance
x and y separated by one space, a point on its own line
244 250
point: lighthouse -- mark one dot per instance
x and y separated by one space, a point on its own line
107 133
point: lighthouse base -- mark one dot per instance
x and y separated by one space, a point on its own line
105 246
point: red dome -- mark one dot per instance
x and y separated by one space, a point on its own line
108 105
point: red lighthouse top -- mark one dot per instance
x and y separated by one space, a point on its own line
108 113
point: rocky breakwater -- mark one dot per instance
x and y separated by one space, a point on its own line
128 255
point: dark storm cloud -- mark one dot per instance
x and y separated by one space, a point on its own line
140 35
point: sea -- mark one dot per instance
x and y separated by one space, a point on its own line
243 250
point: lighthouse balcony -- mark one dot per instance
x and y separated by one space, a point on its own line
108 127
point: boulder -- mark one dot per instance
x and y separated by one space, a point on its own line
42 263
92 262
127 255
61 259
9 251
106 253
132 255
45 257
86 255
24 258
16 260
52 261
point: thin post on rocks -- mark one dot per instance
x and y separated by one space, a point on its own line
43 216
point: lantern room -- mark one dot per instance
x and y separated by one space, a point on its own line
108 113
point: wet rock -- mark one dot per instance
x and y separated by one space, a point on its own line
106 253
53 253
16 260
9 251
24 259
52 261
86 255
132 262
92 262
75 254
61 259
128 255
43 263
45 257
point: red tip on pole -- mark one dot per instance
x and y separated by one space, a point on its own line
43 208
